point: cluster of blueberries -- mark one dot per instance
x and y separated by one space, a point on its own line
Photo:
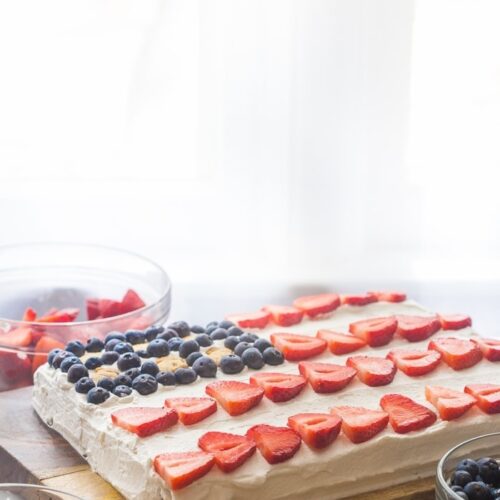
143 375
476 480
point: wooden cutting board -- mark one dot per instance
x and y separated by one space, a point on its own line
30 452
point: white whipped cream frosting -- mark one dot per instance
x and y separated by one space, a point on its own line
341 470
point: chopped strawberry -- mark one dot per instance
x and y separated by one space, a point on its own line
326 377
15 369
297 347
276 444
235 397
457 353
376 331
417 328
258 319
279 387
405 415
390 296
18 337
487 396
373 371
42 347
489 347
29 314
414 362
109 308
358 300
360 424
284 315
454 321
318 430
192 410
181 469
229 450
449 403
340 343
93 311
316 305
60 316
144 421
131 301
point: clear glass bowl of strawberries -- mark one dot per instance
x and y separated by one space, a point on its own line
54 292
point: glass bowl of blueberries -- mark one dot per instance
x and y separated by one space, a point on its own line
465 474
56 292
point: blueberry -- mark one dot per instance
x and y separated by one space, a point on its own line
262 344
76 347
495 493
218 334
84 385
462 494
187 347
231 364
166 378
205 367
175 343
241 348
135 337
145 384
231 342
203 340
59 357
152 332
226 324
249 337
488 469
114 335
123 347
235 331
128 360
272 356
111 344
68 362
213 325
52 355
456 488
122 379
106 383
193 357
197 329
158 348
181 327
93 363
168 334
97 395
150 367
122 390
477 490
108 358
253 358
185 375
94 345
142 353
76 372
133 372
210 329
468 465
461 478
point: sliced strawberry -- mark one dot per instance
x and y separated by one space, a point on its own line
326 377
284 315
29 314
235 397
449 403
358 300
361 424
390 296
454 321
414 362
316 305
318 430
42 347
405 415
276 444
109 308
417 328
373 371
93 311
340 343
489 347
60 316
144 421
229 450
131 301
297 347
487 396
279 387
376 331
192 410
18 337
258 319
181 469
457 353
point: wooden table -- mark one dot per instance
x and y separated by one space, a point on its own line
30 452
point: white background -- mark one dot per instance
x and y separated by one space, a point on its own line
260 148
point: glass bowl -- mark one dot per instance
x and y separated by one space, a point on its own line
14 491
60 275
487 445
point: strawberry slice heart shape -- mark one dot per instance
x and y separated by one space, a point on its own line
18 337
326 378
316 305
131 302
276 444
144 421
192 410
361 424
390 296
454 321
340 343
414 362
457 353
372 370
230 450
297 347
258 319
234 396
284 315
279 387
358 300
375 331
487 396
489 347
406 415
449 403
417 328
318 430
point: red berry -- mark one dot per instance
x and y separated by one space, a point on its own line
457 353
373 371
318 430
417 328
375 331
340 343
449 403
326 377
279 387
276 444
258 319
144 421
316 305
284 315
192 410
361 424
414 362
235 397
405 415
297 347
